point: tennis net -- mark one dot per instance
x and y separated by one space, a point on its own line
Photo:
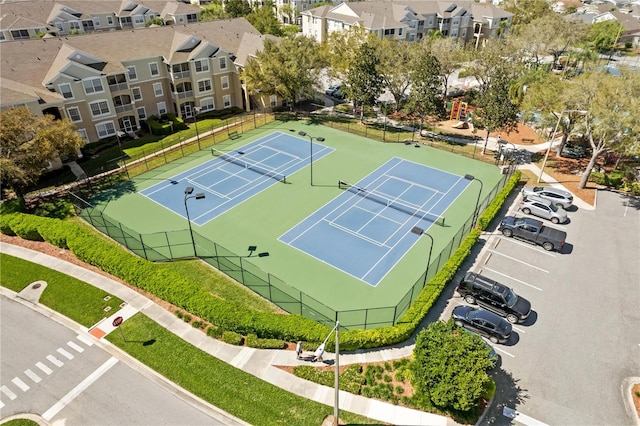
402 206
249 165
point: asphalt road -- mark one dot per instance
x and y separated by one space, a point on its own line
566 364
47 369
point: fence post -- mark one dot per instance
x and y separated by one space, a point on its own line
166 236
242 271
144 250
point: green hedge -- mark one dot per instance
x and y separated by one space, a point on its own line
232 338
254 341
189 295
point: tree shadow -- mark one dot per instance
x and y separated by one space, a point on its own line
508 394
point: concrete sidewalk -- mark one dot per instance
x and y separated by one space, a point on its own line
260 363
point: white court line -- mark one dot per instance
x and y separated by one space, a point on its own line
514 279
19 383
75 347
84 339
527 245
73 393
518 260
5 390
46 370
33 376
55 361
64 353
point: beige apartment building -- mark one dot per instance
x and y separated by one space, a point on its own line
109 82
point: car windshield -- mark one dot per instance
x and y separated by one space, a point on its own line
553 207
511 298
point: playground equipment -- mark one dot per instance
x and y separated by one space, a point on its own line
459 110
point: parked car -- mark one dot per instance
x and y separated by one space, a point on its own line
544 208
338 94
483 322
559 197
331 89
492 295
534 231
493 355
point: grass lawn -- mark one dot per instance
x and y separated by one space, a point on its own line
239 393
20 422
71 297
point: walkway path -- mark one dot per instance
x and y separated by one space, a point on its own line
260 363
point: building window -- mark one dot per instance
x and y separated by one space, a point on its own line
223 63
207 104
226 101
96 21
142 113
92 85
109 20
153 67
454 32
202 65
137 93
74 25
273 101
74 114
224 82
389 32
138 19
204 85
106 129
99 108
464 32
399 31
157 89
83 134
19 34
133 75
162 108
455 22
65 90
430 21
2 36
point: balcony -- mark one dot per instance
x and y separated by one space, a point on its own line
183 95
181 74
119 87
124 108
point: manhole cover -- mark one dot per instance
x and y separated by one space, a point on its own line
36 285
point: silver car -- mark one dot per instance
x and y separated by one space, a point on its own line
543 208
558 197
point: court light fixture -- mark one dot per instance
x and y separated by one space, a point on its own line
188 191
475 211
252 249
420 231
311 138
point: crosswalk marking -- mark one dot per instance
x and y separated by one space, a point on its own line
75 347
33 376
19 383
5 390
1 405
55 361
64 353
87 341
46 370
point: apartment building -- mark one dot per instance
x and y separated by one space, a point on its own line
109 82
410 20
34 19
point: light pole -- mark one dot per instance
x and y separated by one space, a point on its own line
475 212
119 134
196 110
421 231
187 196
546 155
336 384
311 138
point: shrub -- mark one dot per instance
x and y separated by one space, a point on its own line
198 324
186 318
598 178
232 338
214 332
254 341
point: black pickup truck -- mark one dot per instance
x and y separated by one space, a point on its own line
534 231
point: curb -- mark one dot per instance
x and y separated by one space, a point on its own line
626 388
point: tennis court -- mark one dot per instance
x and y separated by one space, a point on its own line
366 230
233 177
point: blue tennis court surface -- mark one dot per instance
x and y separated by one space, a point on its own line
232 177
366 230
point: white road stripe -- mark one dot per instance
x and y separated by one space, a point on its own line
518 260
33 376
55 361
514 279
504 352
518 329
64 353
5 390
527 245
75 347
521 418
46 370
58 406
1 405
86 340
19 383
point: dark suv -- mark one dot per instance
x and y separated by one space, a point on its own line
482 322
494 296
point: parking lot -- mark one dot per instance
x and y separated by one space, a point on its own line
566 363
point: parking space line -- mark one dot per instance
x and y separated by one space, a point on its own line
514 279
518 329
518 260
46 370
530 246
19 383
55 361
504 352
33 376
5 390
521 418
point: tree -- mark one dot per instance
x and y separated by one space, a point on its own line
264 19
342 46
28 143
497 111
287 11
525 11
495 57
395 61
425 98
237 8
604 35
363 80
213 12
289 69
450 55
449 366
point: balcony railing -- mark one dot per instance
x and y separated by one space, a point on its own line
181 74
124 108
183 95
119 87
